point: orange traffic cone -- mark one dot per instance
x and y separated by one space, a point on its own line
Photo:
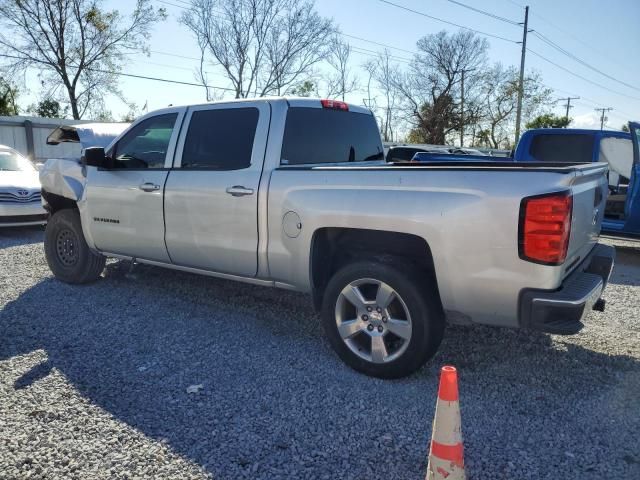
445 456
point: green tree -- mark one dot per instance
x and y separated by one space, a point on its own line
435 120
8 98
304 89
76 45
625 127
49 108
548 120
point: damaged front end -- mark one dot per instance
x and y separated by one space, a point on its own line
63 180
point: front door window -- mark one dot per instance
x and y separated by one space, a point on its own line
146 144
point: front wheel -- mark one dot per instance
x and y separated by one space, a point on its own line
67 252
382 320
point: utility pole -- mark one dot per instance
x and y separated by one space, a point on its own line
569 105
602 117
521 82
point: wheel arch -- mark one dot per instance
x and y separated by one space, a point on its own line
53 202
332 248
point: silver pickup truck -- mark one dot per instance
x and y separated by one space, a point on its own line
295 194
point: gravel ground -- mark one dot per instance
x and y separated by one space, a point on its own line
94 380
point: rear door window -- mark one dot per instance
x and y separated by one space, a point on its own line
220 139
320 135
575 148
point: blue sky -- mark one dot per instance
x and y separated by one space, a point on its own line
605 35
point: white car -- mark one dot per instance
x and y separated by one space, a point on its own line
20 202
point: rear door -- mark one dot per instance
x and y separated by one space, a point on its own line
211 196
124 204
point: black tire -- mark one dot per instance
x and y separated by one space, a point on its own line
417 295
67 252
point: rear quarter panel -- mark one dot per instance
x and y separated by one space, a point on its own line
468 218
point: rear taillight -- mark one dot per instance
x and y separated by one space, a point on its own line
335 105
545 227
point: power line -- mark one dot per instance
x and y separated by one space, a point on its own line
484 12
172 4
373 53
373 42
593 102
582 62
174 55
577 39
378 43
402 7
516 4
542 37
143 77
159 79
581 77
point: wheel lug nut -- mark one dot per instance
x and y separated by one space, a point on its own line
370 327
384 319
379 310
365 317
369 309
380 328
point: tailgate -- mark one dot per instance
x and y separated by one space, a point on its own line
589 190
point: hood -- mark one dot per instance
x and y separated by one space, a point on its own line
23 179
87 134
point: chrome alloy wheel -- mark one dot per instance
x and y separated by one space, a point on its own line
67 247
373 320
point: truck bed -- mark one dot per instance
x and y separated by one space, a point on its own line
468 214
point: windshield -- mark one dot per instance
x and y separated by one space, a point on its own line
12 161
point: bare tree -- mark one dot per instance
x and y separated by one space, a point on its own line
75 44
385 75
341 82
431 87
263 46
500 98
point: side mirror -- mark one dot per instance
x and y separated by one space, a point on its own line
94 157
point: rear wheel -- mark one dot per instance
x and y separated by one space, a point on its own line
67 252
382 320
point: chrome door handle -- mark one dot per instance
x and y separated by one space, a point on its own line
239 191
149 187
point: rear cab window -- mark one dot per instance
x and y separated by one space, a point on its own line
323 135
577 148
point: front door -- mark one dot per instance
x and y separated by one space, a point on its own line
632 207
124 213
211 197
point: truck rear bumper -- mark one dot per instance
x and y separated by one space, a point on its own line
561 311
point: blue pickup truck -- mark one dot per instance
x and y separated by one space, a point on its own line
618 149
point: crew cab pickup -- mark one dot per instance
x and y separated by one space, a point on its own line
295 194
